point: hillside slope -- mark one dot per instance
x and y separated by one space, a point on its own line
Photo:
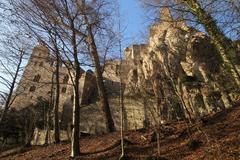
214 137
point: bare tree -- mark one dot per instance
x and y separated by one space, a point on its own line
17 24
37 15
75 24
12 58
92 26
121 92
57 94
93 19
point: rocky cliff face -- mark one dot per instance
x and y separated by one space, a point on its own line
181 70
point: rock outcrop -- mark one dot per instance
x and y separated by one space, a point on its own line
179 72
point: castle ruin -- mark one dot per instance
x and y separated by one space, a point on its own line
178 71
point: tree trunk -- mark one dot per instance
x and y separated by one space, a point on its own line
29 128
95 58
227 49
56 106
121 100
75 147
47 129
101 88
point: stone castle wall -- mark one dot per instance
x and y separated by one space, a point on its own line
179 68
38 81
177 74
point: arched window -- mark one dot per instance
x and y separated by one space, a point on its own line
54 75
36 78
64 89
117 70
65 79
32 89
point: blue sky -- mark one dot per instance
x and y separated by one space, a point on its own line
133 19
133 22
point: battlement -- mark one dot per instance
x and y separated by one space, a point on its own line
166 21
40 52
134 52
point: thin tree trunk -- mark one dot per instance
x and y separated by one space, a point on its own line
56 106
8 101
47 129
101 88
75 147
122 117
47 138
29 130
76 116
95 58
121 98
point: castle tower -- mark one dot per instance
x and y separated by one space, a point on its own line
165 15
132 52
36 79
40 56
167 19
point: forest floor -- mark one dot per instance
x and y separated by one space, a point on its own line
216 137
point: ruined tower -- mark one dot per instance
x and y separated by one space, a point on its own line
165 15
36 79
